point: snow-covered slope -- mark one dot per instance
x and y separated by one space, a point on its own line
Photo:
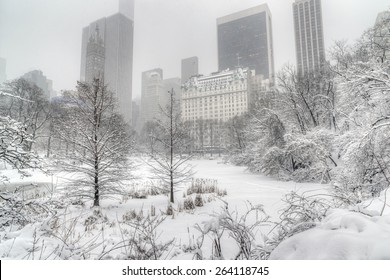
343 234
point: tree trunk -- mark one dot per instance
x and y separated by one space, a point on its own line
171 150
48 145
172 200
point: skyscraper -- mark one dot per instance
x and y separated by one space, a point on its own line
245 40
116 33
94 67
155 94
189 68
309 36
3 76
152 94
36 77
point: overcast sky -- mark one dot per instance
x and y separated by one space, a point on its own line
46 34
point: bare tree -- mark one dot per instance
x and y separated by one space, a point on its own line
30 107
235 128
14 142
170 147
99 139
308 101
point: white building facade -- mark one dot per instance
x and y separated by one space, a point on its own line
208 102
217 97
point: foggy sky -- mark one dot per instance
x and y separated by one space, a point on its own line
46 34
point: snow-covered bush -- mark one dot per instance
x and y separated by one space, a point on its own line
242 229
26 103
341 235
205 186
15 211
302 212
188 204
299 157
131 215
140 242
364 109
14 143
198 200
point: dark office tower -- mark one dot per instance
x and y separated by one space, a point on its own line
309 36
245 40
3 76
189 68
116 32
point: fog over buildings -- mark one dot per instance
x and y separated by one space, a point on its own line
166 31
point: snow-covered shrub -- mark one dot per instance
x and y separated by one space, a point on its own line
144 189
309 155
131 215
14 144
18 212
140 242
299 157
169 211
91 221
198 200
215 233
140 195
365 172
188 204
205 186
243 229
364 113
341 235
271 163
302 212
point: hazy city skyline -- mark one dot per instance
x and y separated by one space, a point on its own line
110 54
35 33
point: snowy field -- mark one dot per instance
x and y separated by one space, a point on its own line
82 232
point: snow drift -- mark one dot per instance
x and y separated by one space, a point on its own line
341 235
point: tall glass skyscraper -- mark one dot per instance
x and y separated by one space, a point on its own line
117 33
309 35
245 40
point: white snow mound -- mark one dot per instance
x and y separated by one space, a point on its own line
341 235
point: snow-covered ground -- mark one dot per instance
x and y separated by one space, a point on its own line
343 234
78 232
